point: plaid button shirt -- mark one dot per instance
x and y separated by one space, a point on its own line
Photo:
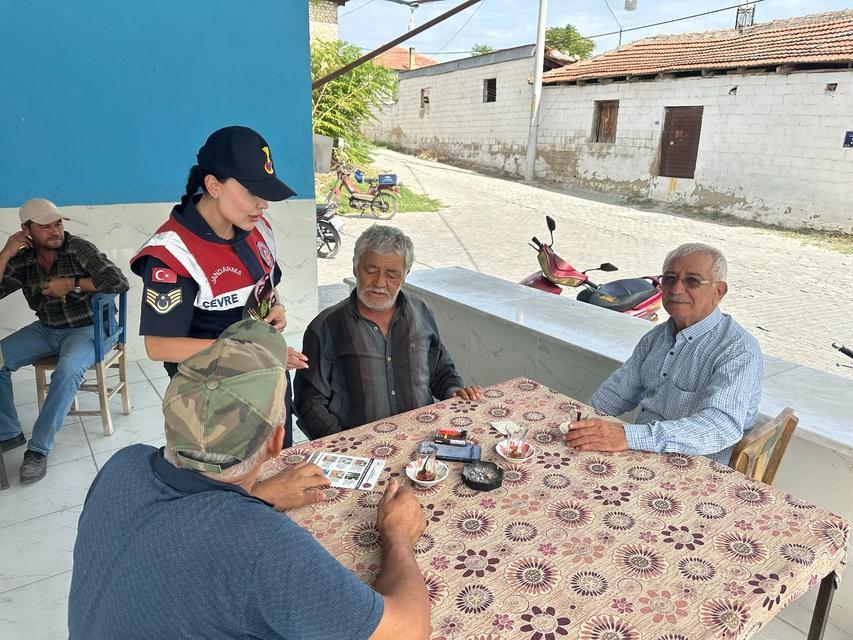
698 390
76 258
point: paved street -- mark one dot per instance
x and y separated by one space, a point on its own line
794 297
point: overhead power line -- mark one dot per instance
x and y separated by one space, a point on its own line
655 24
464 24
346 13
602 35
393 43
615 19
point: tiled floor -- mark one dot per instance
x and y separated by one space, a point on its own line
38 523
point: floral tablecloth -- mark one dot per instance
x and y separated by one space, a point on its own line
593 546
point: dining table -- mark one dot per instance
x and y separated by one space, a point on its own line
580 545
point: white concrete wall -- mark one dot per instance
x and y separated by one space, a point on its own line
772 152
119 231
458 124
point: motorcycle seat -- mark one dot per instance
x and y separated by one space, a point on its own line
628 293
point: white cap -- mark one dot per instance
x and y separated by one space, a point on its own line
40 211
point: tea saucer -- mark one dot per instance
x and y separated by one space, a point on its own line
440 473
529 449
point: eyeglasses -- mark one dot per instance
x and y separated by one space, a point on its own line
668 280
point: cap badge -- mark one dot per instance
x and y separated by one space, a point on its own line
268 164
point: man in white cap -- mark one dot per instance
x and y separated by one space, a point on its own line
58 274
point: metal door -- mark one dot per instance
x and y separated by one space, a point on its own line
680 141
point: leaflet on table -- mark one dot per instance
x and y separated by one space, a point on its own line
349 472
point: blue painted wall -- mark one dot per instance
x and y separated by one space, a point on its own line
105 101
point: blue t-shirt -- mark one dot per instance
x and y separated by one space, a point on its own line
163 552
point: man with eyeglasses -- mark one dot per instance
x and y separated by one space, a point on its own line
696 379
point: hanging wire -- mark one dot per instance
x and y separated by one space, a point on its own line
346 13
597 35
464 24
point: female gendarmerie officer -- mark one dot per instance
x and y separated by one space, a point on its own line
200 267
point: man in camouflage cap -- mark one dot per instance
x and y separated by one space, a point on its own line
225 402
179 542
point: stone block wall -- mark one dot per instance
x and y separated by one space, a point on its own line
323 16
457 124
770 150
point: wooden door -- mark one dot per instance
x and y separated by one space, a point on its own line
680 141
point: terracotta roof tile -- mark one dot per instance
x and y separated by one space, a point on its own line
397 59
819 38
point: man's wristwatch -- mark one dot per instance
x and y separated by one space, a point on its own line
77 288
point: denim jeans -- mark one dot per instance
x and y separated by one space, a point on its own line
76 351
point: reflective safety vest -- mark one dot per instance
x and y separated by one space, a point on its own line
223 280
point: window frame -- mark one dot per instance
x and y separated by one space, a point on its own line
494 90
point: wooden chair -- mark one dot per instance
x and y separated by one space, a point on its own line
110 337
760 451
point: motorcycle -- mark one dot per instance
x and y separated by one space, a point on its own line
329 226
847 351
380 197
638 297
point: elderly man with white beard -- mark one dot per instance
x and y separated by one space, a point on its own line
378 352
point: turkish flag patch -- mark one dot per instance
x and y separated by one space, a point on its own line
161 274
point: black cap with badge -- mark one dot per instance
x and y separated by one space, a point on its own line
241 153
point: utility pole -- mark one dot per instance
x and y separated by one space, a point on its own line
535 104
533 131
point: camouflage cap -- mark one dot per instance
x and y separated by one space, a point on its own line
260 333
228 398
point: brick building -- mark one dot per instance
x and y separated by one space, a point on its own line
754 122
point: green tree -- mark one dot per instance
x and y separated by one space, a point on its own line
341 107
481 49
568 40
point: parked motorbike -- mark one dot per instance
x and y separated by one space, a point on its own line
380 197
847 351
329 226
638 297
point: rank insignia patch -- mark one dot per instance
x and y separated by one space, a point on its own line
163 302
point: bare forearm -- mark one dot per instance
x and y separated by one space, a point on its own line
402 585
166 349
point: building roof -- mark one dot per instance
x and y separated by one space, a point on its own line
553 59
397 58
824 39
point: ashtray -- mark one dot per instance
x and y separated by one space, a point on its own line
482 476
440 475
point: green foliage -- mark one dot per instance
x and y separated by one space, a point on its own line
341 107
481 49
568 40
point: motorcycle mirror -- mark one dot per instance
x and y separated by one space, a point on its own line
606 266
552 226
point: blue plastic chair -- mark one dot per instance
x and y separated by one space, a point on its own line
110 338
